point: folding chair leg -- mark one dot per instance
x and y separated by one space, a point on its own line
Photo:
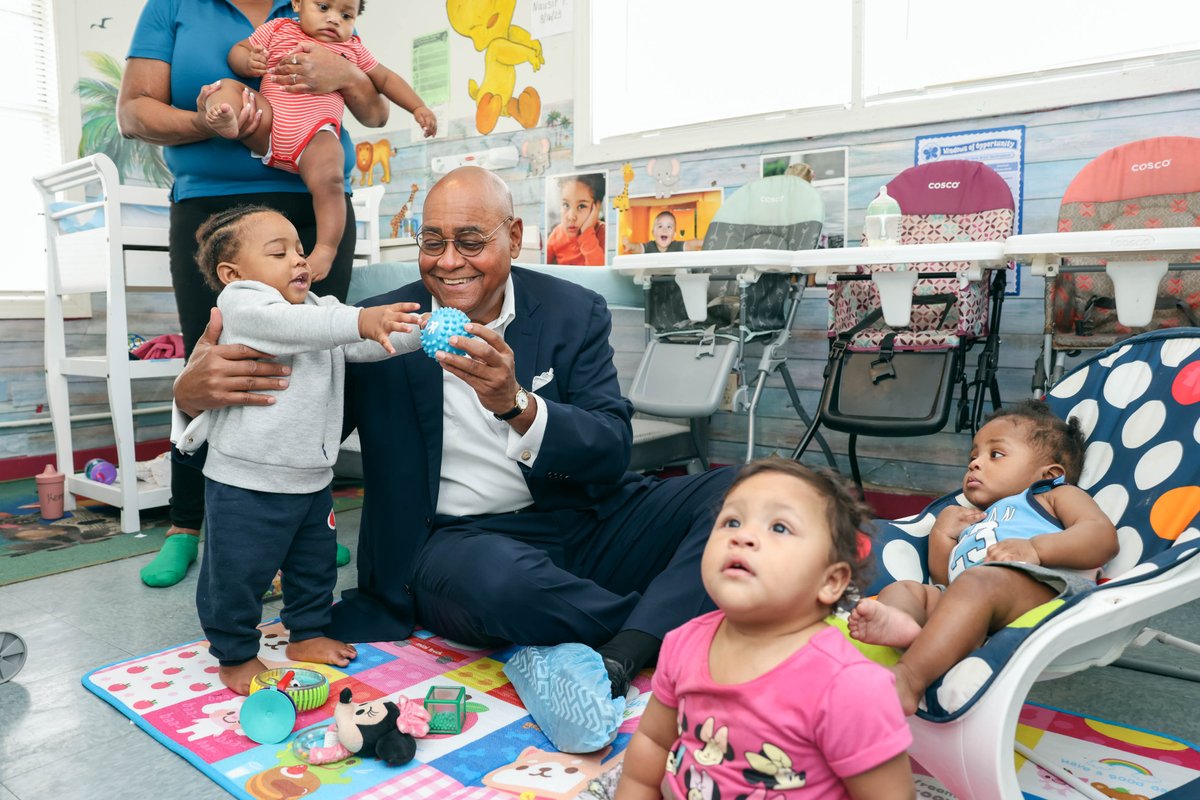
1155 668
795 397
809 434
854 473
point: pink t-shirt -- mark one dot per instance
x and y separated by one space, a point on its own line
824 714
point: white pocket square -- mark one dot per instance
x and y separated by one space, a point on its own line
541 380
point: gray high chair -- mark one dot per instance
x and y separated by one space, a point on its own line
704 308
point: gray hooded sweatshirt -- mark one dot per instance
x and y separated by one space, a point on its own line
289 447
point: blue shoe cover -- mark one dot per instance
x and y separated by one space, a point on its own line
568 693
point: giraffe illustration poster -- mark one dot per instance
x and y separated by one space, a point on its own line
505 47
576 219
653 224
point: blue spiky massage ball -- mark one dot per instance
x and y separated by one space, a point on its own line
441 325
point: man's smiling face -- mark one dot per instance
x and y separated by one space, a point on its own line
470 203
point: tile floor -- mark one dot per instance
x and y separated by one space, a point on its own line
59 741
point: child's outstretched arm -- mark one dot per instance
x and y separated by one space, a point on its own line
1088 539
395 327
891 780
396 89
646 758
248 60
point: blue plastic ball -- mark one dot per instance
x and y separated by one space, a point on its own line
441 325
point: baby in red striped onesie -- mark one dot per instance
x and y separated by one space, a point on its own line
299 131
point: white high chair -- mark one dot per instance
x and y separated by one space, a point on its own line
366 202
101 255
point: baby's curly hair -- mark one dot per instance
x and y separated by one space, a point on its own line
849 517
1058 441
219 238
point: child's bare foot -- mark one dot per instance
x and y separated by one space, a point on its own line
908 688
322 650
222 119
872 622
238 677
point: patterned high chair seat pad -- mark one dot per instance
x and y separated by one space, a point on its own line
949 201
1139 403
1152 183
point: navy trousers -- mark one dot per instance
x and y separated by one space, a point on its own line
544 578
249 535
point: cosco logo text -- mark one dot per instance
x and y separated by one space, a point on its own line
944 185
1166 162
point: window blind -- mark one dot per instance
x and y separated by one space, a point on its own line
29 136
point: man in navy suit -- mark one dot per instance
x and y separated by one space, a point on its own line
498 507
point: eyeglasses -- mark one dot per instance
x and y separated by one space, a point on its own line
469 245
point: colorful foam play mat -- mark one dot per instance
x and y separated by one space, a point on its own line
500 753
32 547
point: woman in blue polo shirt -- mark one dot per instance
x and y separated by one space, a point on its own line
178 48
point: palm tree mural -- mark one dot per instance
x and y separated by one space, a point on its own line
98 96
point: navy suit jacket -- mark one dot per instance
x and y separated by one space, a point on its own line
396 404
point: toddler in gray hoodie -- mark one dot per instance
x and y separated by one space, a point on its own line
268 469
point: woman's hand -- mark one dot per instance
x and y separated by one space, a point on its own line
249 115
313 69
218 375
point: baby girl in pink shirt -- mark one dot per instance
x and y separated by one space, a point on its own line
762 698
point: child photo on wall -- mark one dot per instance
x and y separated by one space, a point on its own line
575 218
672 224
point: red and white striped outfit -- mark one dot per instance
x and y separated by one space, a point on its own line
297 117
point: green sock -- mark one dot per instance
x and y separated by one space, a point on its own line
171 563
343 555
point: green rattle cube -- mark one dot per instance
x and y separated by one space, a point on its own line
447 707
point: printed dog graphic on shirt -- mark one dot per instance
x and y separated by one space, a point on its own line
716 745
773 768
554 776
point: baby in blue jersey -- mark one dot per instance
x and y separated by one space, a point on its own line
1049 536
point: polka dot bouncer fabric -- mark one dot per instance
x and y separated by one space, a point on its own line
1139 403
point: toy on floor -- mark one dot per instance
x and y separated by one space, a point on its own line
447 708
378 728
308 689
268 717
100 471
12 655
441 325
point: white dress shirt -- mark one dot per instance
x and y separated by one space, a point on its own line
481 454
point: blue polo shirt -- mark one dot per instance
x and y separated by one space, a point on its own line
194 37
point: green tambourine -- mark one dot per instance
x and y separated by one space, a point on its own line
308 688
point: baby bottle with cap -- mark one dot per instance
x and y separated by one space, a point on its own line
882 224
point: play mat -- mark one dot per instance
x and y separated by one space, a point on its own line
175 696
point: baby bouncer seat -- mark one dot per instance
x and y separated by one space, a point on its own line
1146 185
1139 403
885 380
701 319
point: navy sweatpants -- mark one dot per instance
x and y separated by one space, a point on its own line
248 536
544 578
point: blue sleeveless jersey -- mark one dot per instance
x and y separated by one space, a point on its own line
1016 517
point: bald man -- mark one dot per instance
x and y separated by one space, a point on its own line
498 505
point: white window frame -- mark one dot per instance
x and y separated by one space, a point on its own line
1053 88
